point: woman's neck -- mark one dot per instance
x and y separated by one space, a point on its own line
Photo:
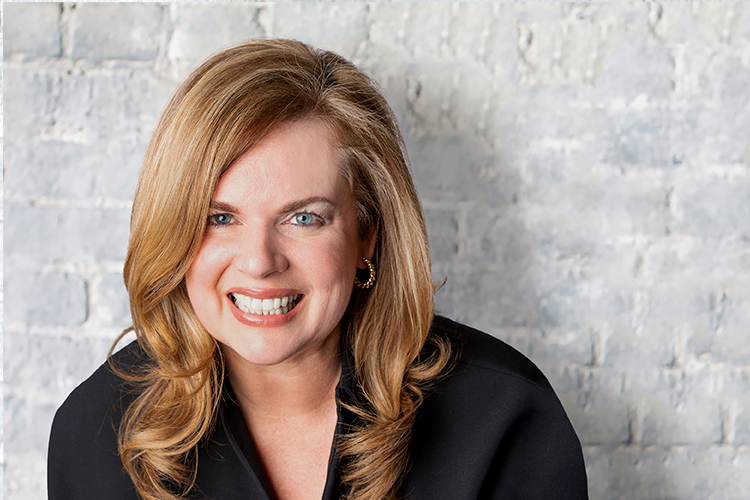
291 413
296 387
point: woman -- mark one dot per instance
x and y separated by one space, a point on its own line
280 287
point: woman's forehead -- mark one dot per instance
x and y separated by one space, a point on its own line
295 161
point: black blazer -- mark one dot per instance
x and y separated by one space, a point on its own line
492 429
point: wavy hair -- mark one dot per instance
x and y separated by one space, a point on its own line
224 107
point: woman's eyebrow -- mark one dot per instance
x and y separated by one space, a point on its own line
297 205
222 207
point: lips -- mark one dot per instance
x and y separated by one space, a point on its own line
267 306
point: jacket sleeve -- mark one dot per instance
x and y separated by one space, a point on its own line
493 429
539 457
83 462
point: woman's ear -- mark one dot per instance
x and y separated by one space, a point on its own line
367 245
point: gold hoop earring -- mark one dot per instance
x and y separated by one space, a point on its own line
371 280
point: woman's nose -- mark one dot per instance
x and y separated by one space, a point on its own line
260 254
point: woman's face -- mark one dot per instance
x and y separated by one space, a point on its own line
275 271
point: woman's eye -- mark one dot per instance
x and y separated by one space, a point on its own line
303 219
220 219
307 219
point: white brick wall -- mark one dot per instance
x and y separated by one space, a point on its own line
585 170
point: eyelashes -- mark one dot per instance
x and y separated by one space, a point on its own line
220 219
301 219
307 219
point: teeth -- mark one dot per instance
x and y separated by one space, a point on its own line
265 307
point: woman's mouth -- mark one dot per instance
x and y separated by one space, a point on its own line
265 307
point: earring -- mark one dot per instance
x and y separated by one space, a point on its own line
371 280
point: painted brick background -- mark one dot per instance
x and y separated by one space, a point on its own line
585 170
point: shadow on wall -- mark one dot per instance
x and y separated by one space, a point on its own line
513 232
478 241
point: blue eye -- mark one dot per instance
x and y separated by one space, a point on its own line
220 219
304 219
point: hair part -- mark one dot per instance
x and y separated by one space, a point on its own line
226 106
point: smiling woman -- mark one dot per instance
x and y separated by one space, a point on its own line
289 231
280 286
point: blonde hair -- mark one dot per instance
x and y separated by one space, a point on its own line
223 108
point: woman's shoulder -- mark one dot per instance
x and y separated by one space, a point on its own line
492 427
83 458
104 389
476 351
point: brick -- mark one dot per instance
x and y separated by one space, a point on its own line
31 423
711 24
202 29
593 399
472 92
603 199
335 26
637 66
25 474
697 338
449 168
640 138
712 132
722 471
426 30
502 54
50 168
28 103
108 105
115 31
556 349
394 85
742 14
442 227
513 298
712 208
573 304
102 131
470 30
633 472
118 167
559 112
572 279
621 346
46 299
695 64
60 233
677 257
69 170
385 22
739 420
110 300
494 236
679 308
730 315
540 41
61 363
32 29
666 421
428 98
568 43
439 105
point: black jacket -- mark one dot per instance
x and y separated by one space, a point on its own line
492 429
